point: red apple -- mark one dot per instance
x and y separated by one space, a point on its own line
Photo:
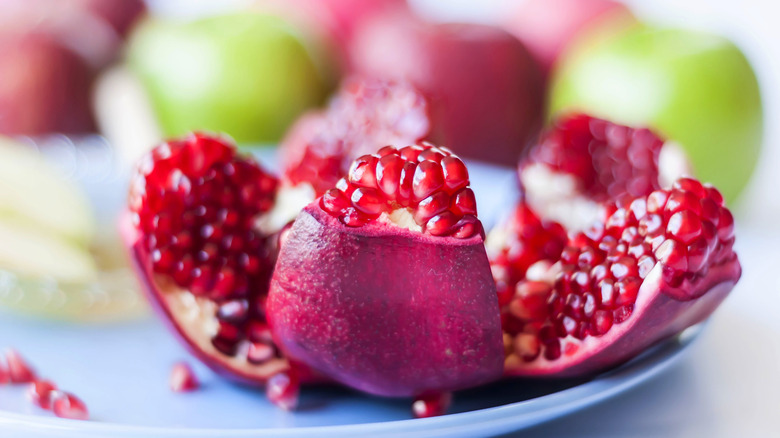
548 26
484 88
44 87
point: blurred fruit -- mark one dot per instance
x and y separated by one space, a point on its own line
547 27
485 91
247 74
337 20
121 15
44 86
695 88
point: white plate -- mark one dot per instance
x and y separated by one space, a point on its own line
121 371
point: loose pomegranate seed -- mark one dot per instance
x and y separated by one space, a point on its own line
183 379
18 369
282 390
429 180
431 405
39 393
67 405
196 201
602 269
4 377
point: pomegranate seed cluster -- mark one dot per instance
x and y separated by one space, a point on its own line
686 229
365 115
430 181
528 240
196 202
608 159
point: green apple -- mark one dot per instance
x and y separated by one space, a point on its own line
695 88
246 74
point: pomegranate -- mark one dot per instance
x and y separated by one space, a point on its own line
203 243
364 115
183 379
654 261
383 283
431 405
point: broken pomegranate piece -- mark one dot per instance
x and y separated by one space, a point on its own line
583 161
363 116
19 371
383 283
202 249
653 262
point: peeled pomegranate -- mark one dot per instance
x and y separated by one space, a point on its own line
653 262
201 242
383 283
363 116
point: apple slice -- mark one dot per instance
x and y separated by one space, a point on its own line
29 253
34 193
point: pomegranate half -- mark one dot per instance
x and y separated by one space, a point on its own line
652 262
383 283
201 243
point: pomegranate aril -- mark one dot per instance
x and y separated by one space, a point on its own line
67 405
622 313
464 202
388 174
431 155
552 349
428 177
673 255
530 301
602 322
234 311
39 393
410 153
690 185
441 224
431 405
19 371
685 226
656 201
455 173
259 352
282 390
725 225
527 346
363 171
182 378
431 206
367 200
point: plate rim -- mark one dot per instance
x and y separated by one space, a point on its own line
494 420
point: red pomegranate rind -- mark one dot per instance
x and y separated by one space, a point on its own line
19 371
524 240
657 265
416 314
364 115
431 182
194 204
183 379
607 159
39 393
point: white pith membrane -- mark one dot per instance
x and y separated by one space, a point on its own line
196 315
401 217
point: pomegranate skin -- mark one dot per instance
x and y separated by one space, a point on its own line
657 317
386 310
